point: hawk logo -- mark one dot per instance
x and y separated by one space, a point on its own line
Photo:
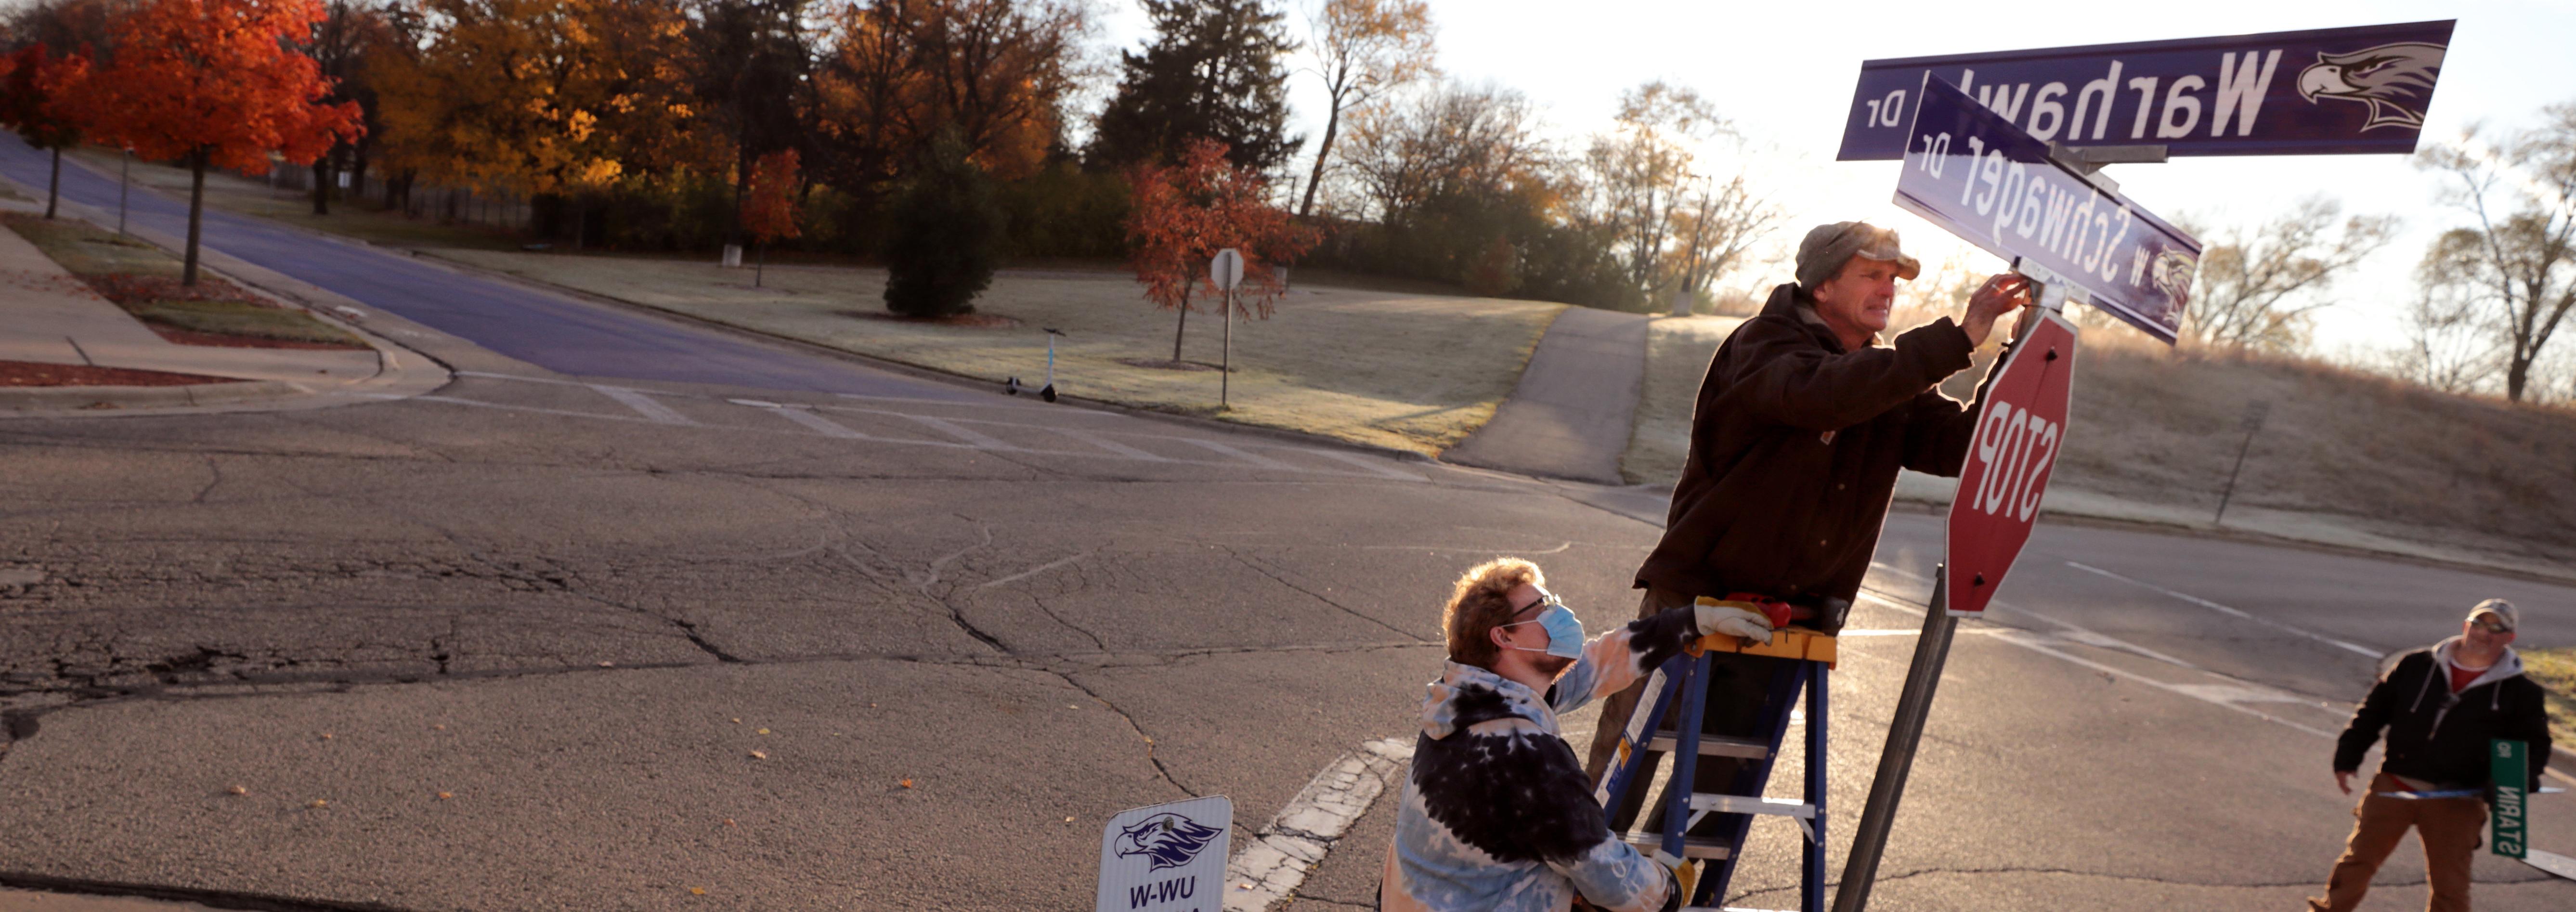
2395 80
1170 840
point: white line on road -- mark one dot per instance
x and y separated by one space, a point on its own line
973 438
643 405
1245 455
2230 612
1363 462
1103 442
1267 871
1033 571
821 425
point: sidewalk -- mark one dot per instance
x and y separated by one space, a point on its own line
1571 413
50 316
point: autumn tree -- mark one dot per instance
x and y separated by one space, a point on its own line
2261 284
753 78
217 82
769 209
42 103
2516 262
1363 50
339 45
1184 213
995 74
1213 72
947 234
1716 230
1641 172
548 98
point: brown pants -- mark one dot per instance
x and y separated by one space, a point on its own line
1737 688
2448 827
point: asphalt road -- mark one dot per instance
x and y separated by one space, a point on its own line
523 637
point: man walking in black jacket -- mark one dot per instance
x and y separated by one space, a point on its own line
2440 707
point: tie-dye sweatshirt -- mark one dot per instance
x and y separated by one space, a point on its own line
1498 815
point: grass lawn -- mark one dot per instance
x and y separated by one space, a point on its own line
143 280
1404 370
2555 670
1677 353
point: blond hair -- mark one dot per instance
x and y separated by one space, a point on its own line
1480 602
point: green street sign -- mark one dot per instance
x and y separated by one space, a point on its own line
2510 765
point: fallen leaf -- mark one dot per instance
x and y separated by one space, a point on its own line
737 720
442 796
759 755
607 664
439 727
1068 820
326 736
907 783
729 821
761 732
697 891
318 803
238 790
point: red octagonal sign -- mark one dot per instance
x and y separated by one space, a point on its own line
2019 435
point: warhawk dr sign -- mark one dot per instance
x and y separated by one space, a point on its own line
2319 92
1975 174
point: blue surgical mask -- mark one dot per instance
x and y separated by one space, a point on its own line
1564 631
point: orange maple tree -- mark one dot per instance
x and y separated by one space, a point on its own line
217 82
37 95
1185 213
769 211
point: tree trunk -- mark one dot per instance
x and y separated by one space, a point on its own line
1332 128
759 261
2516 376
196 208
1177 330
322 186
54 191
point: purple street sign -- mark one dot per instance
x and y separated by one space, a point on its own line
2321 92
1978 176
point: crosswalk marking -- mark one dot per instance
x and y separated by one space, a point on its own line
1362 462
1245 455
973 438
643 405
821 425
1110 445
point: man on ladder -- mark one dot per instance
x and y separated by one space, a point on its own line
1802 422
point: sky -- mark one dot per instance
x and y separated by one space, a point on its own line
1784 73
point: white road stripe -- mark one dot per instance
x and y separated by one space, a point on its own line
1267 870
643 405
1363 462
1113 446
2230 612
1033 571
821 425
972 438
1261 461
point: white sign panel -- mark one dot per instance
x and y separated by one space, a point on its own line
1168 857
1226 271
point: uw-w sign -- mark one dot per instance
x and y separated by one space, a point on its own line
2321 92
1167 857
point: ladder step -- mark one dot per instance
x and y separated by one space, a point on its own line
1692 846
1713 746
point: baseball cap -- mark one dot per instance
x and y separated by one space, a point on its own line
1827 247
2503 610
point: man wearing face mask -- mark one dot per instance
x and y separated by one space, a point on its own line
1497 814
2440 706
1803 419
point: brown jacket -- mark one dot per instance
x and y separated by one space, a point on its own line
1794 450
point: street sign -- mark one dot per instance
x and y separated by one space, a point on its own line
2509 767
1167 857
2319 92
1226 271
2018 437
1975 174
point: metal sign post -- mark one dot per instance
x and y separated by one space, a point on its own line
2254 414
1896 760
1226 272
124 179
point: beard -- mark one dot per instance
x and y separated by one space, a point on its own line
1551 665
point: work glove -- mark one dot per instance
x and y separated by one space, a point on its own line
1733 621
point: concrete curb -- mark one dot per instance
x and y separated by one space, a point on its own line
401 371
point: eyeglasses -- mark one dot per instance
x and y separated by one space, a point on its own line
2490 625
1545 599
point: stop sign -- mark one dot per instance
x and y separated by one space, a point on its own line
2019 434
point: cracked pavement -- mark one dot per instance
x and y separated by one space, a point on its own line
523 641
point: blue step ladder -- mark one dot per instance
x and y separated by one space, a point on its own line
1709 863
